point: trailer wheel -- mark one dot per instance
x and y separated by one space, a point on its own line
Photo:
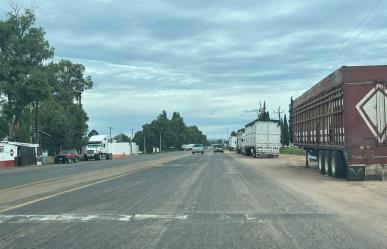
334 164
321 159
338 164
327 162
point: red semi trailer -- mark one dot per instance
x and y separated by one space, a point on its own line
342 120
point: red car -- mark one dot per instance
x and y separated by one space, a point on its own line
67 156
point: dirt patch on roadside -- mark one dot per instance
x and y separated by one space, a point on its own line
363 203
15 195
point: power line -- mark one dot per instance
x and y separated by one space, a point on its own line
365 28
330 61
347 41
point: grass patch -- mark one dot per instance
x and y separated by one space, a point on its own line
292 151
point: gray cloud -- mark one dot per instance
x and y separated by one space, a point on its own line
212 61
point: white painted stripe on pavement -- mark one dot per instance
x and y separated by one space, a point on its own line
84 218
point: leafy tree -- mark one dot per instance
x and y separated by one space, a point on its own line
233 133
263 114
23 50
92 133
122 138
35 94
285 132
71 82
174 133
291 120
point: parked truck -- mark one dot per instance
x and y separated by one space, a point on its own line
232 142
241 136
342 120
98 148
263 139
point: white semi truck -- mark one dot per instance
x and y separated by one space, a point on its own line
263 139
232 143
98 148
241 140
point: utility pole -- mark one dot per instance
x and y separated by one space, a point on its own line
160 141
131 142
279 114
226 136
110 132
143 132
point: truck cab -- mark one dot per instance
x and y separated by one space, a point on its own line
98 148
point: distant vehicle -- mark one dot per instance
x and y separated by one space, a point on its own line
67 156
190 146
218 148
184 146
263 139
197 148
98 148
232 142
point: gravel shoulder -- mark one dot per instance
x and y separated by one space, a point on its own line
363 204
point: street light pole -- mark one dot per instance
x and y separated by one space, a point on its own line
110 132
160 141
144 141
131 142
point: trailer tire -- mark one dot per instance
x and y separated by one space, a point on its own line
334 164
338 165
321 158
327 163
253 153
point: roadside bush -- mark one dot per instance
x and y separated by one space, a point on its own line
292 151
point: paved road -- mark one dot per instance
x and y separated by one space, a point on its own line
201 201
24 175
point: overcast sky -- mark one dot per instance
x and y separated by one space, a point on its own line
212 61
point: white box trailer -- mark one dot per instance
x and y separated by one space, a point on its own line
122 150
241 140
232 143
263 139
99 148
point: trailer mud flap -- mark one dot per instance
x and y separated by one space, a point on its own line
374 172
356 173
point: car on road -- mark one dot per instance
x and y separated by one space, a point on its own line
198 148
218 148
67 156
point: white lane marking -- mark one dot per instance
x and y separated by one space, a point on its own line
66 191
85 218
170 165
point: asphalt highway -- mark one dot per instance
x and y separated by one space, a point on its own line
199 201
13 177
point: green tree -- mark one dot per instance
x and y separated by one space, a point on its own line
233 133
23 49
174 133
71 81
285 132
263 114
122 138
92 133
